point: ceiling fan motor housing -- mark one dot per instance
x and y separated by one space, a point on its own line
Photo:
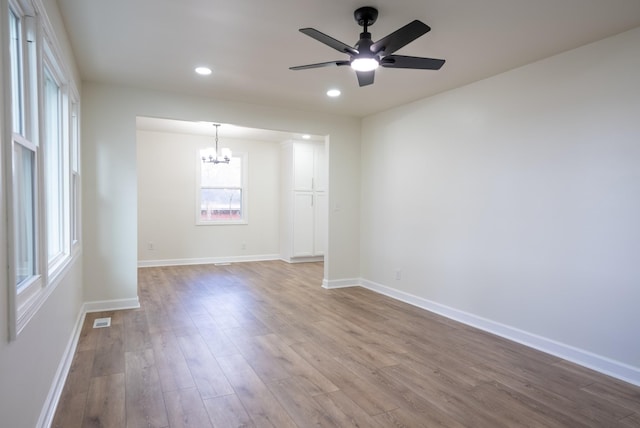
365 16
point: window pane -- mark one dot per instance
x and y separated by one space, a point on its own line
75 131
16 74
24 205
53 168
222 174
220 204
75 207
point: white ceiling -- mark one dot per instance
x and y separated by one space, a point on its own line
250 45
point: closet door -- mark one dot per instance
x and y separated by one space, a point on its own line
303 167
303 227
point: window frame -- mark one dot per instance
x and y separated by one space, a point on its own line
244 207
24 296
61 176
24 71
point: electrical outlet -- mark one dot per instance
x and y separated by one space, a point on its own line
151 246
398 274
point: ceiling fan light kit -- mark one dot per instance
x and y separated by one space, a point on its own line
366 56
364 64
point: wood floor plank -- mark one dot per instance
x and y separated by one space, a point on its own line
136 331
144 399
310 379
402 418
576 404
631 421
204 368
371 399
515 409
303 409
88 339
106 402
109 357
202 320
435 392
358 342
157 320
615 393
458 372
71 408
344 412
186 409
80 372
218 342
265 364
74 395
170 362
227 411
257 399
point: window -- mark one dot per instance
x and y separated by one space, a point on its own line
23 165
56 172
44 180
222 191
25 270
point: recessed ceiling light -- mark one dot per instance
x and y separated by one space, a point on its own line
306 136
203 71
333 93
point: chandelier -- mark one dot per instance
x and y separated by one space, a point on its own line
224 156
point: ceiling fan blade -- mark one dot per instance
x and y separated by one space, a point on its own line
329 41
401 61
365 77
319 65
399 38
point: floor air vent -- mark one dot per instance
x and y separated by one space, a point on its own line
102 322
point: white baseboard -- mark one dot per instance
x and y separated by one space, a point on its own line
581 357
208 260
53 398
111 305
340 283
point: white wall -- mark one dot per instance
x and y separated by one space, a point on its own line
110 177
167 174
28 365
517 200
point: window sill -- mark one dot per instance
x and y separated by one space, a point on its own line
28 309
222 223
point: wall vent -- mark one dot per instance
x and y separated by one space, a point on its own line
102 322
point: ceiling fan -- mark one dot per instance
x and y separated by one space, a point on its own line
367 55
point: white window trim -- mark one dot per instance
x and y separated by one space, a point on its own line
245 193
57 264
24 302
75 196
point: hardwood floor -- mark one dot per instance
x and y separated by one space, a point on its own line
262 345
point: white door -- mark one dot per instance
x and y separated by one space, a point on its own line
303 230
303 167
